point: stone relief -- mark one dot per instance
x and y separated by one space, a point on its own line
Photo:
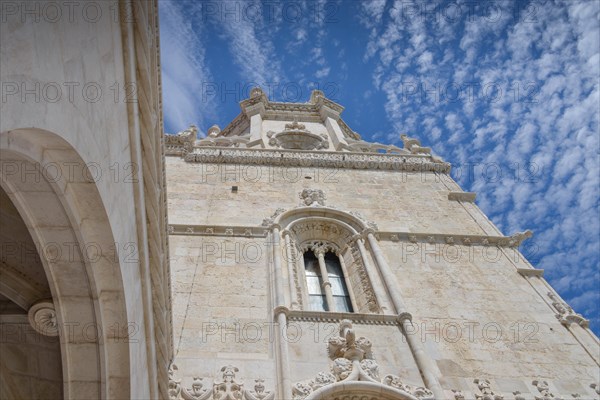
565 314
486 391
352 360
225 388
42 317
313 197
296 136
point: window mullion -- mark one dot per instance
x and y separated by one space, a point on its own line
320 253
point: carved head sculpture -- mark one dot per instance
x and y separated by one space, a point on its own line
197 387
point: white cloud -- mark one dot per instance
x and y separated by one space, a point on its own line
184 71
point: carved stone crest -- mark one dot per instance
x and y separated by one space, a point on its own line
313 197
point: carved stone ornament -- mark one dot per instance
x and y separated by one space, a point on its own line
458 394
518 395
42 317
544 389
565 314
414 145
271 220
174 385
226 388
516 239
486 391
304 159
313 197
295 136
352 360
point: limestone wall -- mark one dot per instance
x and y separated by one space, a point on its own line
474 313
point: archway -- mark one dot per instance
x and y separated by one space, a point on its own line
359 390
56 196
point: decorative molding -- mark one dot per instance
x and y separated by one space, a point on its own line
530 272
212 230
337 317
365 282
227 387
513 241
404 236
468 197
486 391
301 158
42 317
565 314
352 361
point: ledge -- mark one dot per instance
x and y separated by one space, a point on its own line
214 230
531 272
398 236
325 316
468 197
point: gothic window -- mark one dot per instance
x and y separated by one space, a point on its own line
327 290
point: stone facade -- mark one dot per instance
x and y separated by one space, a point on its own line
444 304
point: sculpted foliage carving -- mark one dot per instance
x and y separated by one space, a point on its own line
352 360
228 387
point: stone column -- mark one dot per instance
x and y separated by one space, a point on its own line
424 362
281 318
320 253
373 276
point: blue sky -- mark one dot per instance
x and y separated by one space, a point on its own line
508 90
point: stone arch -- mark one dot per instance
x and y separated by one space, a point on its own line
56 195
359 390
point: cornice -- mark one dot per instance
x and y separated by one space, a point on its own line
530 272
300 158
468 197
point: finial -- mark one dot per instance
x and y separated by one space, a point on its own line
214 131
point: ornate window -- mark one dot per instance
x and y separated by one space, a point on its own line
325 281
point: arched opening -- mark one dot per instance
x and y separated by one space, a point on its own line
343 283
55 195
359 390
